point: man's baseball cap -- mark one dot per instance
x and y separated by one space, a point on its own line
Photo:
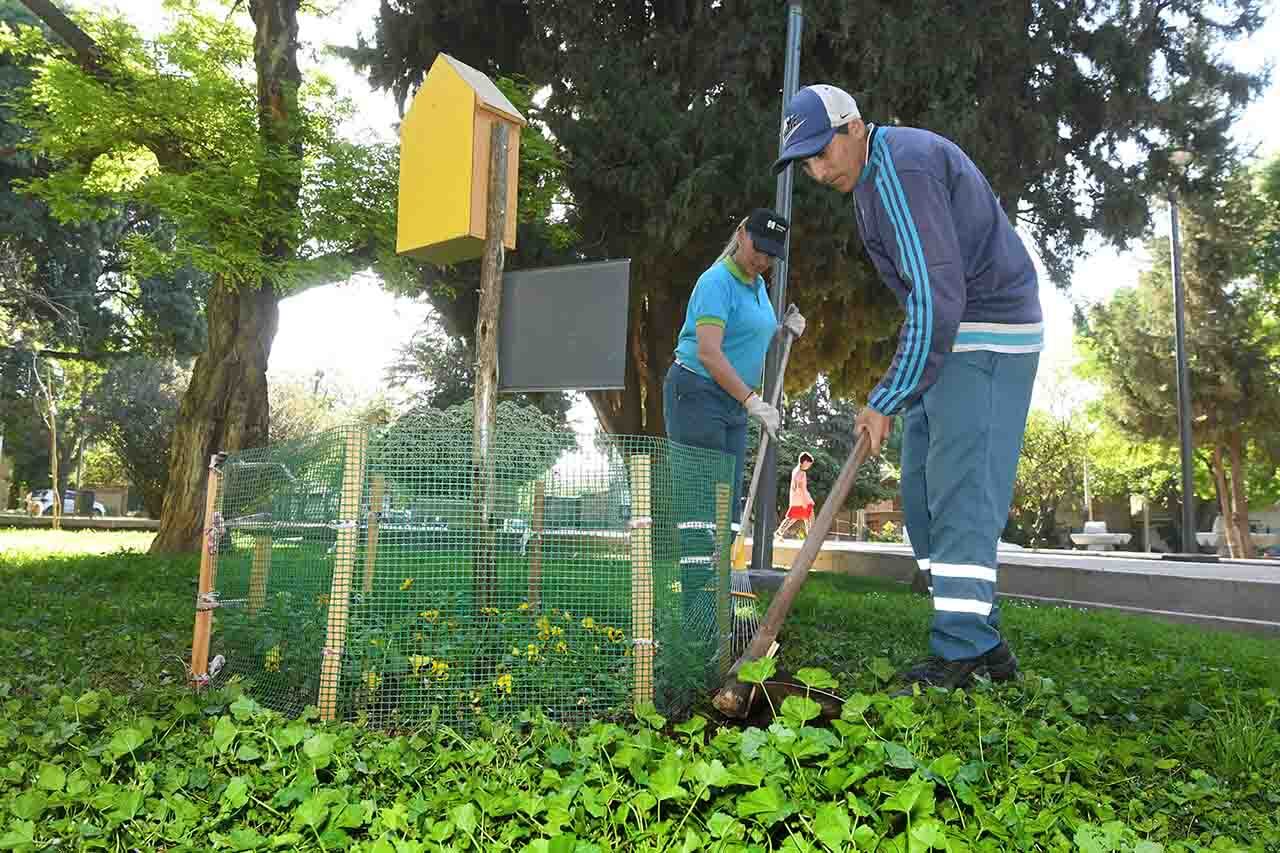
811 120
768 230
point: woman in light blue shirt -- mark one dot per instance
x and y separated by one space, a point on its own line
719 358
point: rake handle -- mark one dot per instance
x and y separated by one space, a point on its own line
764 441
733 699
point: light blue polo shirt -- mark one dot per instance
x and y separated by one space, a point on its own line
725 297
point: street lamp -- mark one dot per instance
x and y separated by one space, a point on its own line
766 519
1180 159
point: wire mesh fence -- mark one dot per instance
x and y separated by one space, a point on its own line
387 575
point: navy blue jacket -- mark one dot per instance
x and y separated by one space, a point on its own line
943 245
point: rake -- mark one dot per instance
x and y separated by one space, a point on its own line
745 604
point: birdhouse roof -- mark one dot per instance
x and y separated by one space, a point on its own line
489 94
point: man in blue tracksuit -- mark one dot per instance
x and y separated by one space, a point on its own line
966 360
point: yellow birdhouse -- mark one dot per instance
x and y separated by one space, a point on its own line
444 164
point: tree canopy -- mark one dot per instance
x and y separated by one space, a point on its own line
214 130
74 296
1231 333
666 117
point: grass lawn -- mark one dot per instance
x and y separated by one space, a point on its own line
1125 735
29 540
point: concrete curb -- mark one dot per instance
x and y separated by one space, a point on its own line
79 522
1242 596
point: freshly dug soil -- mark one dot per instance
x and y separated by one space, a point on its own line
782 685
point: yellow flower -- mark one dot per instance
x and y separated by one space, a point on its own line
557 631
543 624
676 586
589 623
405 584
418 638
373 680
561 647
515 650
418 662
524 605
614 634
490 611
504 682
533 652
440 669
430 615
272 663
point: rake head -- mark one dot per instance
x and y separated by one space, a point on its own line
745 608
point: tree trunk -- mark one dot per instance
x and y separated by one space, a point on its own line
50 418
53 460
224 408
1224 501
1239 499
1046 515
653 323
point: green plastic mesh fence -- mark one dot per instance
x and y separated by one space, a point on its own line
379 574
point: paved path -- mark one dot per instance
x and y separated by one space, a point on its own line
1265 571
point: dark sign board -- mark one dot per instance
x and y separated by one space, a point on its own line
564 328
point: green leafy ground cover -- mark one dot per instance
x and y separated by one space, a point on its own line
1126 735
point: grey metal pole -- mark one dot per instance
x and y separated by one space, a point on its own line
1184 382
767 511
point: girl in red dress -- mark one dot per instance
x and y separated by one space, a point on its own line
801 509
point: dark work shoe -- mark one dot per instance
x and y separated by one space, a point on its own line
999 664
939 672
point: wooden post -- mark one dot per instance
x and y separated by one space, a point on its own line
724 615
376 490
260 572
641 579
486 384
343 569
535 545
204 601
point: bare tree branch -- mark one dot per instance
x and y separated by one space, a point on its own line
68 355
87 52
329 269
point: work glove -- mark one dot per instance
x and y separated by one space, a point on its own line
793 321
767 414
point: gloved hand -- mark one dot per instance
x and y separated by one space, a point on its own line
793 321
767 414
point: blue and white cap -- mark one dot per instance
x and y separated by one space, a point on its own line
811 120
